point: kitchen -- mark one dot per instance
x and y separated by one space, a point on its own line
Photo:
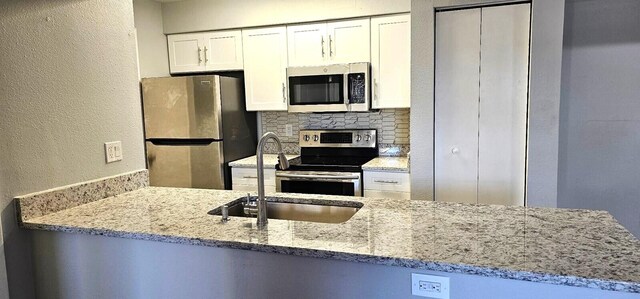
45 175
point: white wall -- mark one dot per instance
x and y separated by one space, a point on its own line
125 268
202 15
68 84
600 109
546 54
152 43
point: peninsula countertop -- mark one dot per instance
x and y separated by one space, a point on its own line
558 246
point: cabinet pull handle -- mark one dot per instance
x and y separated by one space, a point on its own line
375 90
205 56
330 46
322 45
284 97
249 177
199 56
385 182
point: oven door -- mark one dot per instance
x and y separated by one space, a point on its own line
316 182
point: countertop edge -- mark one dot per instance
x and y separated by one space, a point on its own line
495 272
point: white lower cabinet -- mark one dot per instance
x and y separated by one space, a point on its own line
246 179
382 184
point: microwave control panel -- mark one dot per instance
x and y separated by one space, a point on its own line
357 88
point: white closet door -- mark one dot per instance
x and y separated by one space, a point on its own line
503 104
456 105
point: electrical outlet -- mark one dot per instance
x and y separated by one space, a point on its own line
113 151
289 130
430 286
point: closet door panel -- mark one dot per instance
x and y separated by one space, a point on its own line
456 105
503 104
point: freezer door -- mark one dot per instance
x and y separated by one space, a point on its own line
182 107
188 166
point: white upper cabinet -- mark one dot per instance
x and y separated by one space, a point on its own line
307 44
265 68
185 53
329 43
223 50
349 41
391 61
209 51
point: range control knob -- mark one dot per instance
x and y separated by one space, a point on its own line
306 137
367 138
358 138
316 138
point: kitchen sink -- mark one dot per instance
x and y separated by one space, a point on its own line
323 211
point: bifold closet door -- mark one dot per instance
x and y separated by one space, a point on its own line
504 73
456 105
482 62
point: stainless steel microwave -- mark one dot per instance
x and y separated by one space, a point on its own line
329 88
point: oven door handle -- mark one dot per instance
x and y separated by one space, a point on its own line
304 176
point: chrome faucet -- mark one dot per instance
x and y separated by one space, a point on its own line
284 164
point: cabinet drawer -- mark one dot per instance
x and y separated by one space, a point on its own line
249 176
387 181
387 194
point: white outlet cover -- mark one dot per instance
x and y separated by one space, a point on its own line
113 151
289 130
430 286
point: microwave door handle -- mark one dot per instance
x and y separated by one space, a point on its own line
348 101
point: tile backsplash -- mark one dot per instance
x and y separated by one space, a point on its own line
392 126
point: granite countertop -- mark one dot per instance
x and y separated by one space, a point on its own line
558 246
270 161
393 164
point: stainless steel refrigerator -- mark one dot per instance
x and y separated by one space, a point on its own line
194 126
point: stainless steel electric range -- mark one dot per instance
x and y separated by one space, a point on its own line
330 162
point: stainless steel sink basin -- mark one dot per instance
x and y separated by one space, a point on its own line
324 211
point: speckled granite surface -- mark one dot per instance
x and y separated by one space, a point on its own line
394 164
58 199
270 161
558 246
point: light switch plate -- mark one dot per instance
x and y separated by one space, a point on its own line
113 151
430 286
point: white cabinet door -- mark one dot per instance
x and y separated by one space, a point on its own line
456 105
223 50
265 68
186 53
391 61
307 44
503 104
349 41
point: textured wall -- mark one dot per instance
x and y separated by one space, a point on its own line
152 43
195 15
68 83
600 109
392 126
